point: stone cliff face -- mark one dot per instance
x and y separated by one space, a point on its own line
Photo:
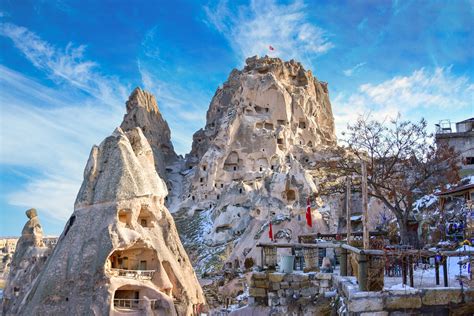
253 162
120 250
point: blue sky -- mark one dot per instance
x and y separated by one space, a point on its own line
67 68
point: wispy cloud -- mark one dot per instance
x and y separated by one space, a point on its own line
423 92
57 125
255 27
65 65
349 72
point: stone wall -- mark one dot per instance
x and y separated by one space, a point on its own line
291 292
427 301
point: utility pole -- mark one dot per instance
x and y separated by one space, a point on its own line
365 216
348 209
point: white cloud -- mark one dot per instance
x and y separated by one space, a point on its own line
263 23
51 130
431 94
349 72
65 65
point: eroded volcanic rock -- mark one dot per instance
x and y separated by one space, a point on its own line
27 262
120 251
143 112
256 161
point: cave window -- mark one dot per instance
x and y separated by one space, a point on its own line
261 169
199 140
124 217
258 211
205 196
290 195
240 190
143 222
201 180
193 197
310 144
204 168
235 168
190 167
302 125
222 185
301 142
272 167
218 196
267 109
280 141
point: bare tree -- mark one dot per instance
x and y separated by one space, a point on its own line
403 164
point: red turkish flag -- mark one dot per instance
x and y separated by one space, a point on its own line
270 232
309 220
271 47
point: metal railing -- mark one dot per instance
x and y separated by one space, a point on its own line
133 274
131 303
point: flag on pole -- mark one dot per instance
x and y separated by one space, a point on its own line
309 220
271 47
270 232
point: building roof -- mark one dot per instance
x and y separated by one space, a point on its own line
456 189
468 120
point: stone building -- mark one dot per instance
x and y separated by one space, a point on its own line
460 136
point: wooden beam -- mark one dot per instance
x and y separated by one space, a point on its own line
348 209
437 270
445 271
365 215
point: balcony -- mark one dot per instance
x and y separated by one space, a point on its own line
132 274
134 304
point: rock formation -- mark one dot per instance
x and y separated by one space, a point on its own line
256 161
27 262
143 112
120 251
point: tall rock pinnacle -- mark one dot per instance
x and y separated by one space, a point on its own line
143 112
120 249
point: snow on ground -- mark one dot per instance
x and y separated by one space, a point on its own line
427 277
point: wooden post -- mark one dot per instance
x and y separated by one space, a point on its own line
410 267
362 277
445 271
365 216
437 270
343 262
404 270
262 257
348 209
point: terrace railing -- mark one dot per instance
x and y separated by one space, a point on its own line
136 304
133 274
